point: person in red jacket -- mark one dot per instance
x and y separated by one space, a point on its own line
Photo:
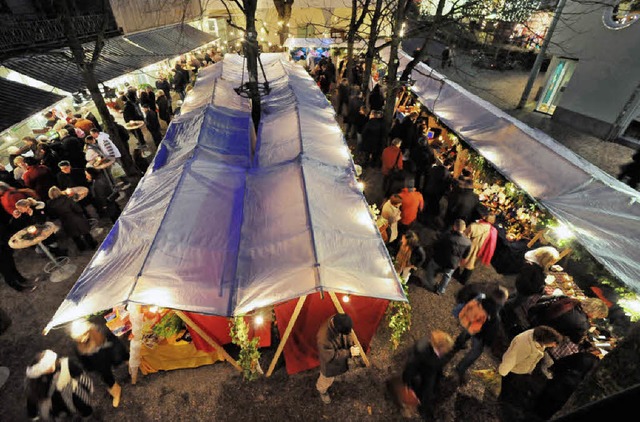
412 204
9 196
38 177
392 161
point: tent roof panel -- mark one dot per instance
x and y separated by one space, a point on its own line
19 101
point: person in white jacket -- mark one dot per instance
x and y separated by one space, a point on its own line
391 212
521 359
106 145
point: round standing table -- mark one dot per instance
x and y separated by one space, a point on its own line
59 268
77 193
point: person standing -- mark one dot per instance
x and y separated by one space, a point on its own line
483 238
180 81
391 212
164 107
71 216
373 139
412 204
520 361
131 113
153 124
463 202
335 347
449 250
164 85
392 162
38 177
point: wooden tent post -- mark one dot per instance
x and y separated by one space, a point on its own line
287 332
563 254
208 339
340 309
536 238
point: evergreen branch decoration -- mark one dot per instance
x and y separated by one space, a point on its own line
249 357
399 315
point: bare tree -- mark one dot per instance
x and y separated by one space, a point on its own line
354 26
86 65
283 7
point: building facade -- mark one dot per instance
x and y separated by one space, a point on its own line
593 81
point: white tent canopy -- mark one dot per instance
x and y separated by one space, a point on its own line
293 42
215 230
603 213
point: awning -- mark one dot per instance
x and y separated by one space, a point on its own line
19 101
118 57
309 42
171 40
602 212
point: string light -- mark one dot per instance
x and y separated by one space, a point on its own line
346 298
258 320
360 186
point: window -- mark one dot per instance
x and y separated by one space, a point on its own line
622 14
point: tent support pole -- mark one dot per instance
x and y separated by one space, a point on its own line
287 332
208 339
340 309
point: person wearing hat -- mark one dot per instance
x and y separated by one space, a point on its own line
57 387
335 347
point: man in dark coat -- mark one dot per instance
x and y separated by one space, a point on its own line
463 203
450 248
131 113
373 139
438 183
71 148
335 347
180 81
423 157
153 124
163 84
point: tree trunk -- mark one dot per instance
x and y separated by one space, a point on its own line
351 36
371 47
86 68
251 53
283 7
392 67
423 49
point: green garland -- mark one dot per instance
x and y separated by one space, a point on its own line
399 315
168 326
249 357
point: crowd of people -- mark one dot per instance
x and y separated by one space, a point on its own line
538 338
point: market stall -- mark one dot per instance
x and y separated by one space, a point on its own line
600 211
279 242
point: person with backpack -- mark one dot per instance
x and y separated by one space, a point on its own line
480 321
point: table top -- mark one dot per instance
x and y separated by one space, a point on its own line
78 193
104 163
134 124
23 239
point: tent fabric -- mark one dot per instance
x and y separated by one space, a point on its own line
301 351
217 328
602 212
293 42
214 230
120 55
20 101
